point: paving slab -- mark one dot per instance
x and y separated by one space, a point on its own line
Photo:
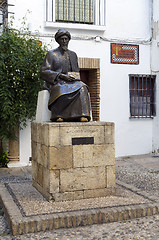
149 161
28 212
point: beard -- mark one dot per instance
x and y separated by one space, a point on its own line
64 47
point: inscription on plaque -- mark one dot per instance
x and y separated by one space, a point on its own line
124 53
82 140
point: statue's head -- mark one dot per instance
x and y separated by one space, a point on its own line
63 37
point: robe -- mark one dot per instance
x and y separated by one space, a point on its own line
68 100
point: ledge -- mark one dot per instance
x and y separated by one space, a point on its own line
74 26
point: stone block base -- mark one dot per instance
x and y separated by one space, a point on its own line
73 161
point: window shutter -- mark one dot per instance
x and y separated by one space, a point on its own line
79 11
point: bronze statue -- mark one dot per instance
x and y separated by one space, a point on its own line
69 97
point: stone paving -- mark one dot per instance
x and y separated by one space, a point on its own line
140 171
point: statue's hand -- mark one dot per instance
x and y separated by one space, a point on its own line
74 75
66 77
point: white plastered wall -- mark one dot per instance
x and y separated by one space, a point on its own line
155 70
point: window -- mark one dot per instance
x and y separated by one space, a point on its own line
142 96
76 11
3 12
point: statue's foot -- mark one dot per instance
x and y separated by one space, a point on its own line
59 120
83 119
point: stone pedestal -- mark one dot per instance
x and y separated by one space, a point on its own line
73 160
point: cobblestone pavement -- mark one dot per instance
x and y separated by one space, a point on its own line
140 171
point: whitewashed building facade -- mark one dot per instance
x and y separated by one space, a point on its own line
117 42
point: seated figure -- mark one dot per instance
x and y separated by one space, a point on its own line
69 96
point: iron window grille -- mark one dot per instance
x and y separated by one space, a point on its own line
4 14
142 96
76 11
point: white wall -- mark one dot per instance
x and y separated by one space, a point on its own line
32 10
128 21
125 19
155 70
25 144
24 147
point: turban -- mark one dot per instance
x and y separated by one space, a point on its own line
62 32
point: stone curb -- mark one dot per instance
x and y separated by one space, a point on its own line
137 191
22 225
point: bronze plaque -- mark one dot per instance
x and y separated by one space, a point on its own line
82 140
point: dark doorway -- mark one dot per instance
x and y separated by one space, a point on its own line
90 77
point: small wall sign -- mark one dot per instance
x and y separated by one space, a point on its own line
82 140
124 53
